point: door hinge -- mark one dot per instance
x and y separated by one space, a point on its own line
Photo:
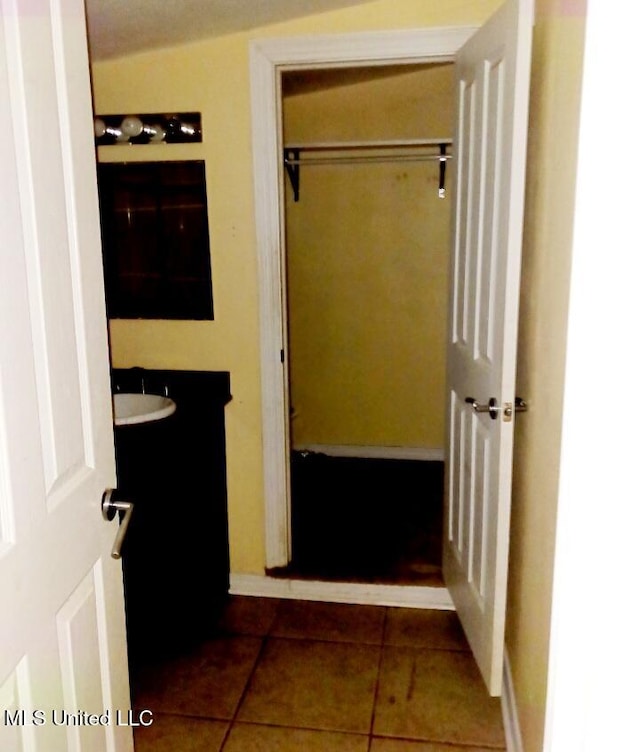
282 356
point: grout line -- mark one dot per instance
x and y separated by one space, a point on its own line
316 729
457 745
234 717
377 689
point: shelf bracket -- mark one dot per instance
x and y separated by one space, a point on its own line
443 170
292 164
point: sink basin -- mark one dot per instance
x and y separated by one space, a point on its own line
130 409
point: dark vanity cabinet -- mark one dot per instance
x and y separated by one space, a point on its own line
176 552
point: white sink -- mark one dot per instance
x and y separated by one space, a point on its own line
129 409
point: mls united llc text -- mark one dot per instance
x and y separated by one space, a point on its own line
79 718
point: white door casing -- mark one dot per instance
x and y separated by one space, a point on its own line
62 630
492 75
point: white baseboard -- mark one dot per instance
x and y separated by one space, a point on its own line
408 596
510 710
376 452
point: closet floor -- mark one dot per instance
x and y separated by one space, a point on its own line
366 520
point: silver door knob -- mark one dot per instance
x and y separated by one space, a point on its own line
491 407
109 510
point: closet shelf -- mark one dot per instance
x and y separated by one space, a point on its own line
362 152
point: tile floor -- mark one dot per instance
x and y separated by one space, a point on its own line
287 676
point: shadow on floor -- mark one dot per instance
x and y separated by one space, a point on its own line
366 520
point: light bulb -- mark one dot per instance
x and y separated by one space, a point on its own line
155 132
99 127
131 126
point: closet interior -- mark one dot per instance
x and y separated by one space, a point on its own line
367 211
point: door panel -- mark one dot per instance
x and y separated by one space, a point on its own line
62 630
492 73
79 629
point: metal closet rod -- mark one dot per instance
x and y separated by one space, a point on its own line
293 162
365 159
293 151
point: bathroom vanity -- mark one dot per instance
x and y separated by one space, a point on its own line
173 468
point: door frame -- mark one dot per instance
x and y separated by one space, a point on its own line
268 59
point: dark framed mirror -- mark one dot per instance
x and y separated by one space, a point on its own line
155 237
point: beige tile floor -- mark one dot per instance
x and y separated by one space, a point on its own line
293 676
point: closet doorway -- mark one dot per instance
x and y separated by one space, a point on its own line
492 80
367 221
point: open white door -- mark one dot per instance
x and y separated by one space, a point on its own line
490 149
62 627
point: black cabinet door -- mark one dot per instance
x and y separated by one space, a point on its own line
176 554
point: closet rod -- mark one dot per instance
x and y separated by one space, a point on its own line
293 162
367 159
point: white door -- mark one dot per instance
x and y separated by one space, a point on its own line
62 633
490 147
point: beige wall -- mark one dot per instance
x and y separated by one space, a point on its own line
213 78
556 76
368 259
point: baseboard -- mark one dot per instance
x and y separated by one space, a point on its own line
509 709
376 452
407 596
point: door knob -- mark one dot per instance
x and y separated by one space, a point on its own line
109 509
491 407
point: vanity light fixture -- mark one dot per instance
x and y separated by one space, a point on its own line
174 128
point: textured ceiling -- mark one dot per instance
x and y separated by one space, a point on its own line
123 27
